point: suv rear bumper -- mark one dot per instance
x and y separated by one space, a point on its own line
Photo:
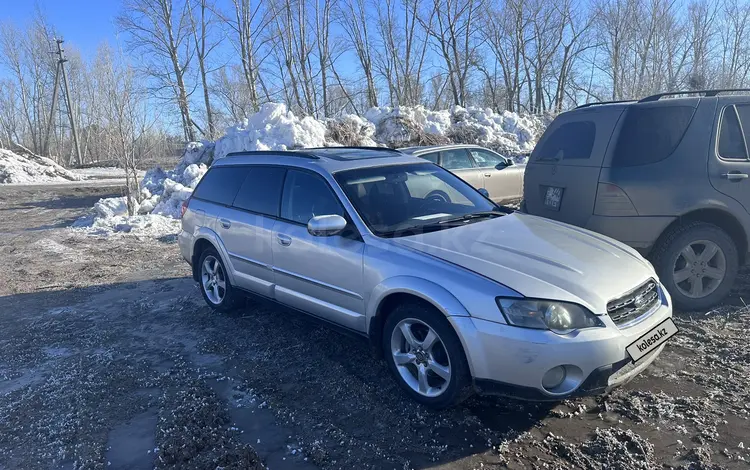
639 232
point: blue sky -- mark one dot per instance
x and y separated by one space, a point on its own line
85 23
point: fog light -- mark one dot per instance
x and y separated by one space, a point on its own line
553 377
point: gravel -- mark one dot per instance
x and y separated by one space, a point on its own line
109 358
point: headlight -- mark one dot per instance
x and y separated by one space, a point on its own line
559 317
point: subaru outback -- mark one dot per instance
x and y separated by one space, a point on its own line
459 294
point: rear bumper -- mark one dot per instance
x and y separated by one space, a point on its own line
639 232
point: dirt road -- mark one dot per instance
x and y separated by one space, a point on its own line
110 359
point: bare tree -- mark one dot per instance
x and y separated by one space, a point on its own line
161 36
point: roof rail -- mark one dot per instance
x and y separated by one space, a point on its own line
596 103
282 153
706 93
354 147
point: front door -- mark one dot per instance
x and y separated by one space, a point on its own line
320 275
729 168
458 162
502 179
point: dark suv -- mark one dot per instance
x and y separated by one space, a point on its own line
667 175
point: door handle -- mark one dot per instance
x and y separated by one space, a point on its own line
225 223
735 176
488 175
284 240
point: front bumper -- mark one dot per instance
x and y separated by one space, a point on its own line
511 361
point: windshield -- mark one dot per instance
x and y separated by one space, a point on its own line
404 199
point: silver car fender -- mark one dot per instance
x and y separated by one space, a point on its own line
204 233
433 293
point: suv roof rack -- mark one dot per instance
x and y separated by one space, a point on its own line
706 93
597 103
283 153
355 147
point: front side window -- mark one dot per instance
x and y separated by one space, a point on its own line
731 140
485 158
400 200
457 159
307 195
430 157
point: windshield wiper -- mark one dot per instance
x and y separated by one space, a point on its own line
472 215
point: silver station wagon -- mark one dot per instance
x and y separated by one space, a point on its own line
459 294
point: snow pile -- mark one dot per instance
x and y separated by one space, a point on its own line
27 167
111 216
274 127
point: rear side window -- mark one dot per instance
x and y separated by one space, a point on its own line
650 134
572 140
430 157
457 159
220 184
261 191
731 140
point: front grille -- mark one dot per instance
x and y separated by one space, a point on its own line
634 304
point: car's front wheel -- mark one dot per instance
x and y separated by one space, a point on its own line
214 283
698 264
425 355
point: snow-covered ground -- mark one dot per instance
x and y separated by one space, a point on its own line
24 167
274 127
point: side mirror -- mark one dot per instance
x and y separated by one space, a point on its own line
326 225
504 164
484 192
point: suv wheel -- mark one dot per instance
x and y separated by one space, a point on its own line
426 357
214 283
698 264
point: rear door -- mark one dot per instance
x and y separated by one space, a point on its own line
729 167
562 174
458 162
502 179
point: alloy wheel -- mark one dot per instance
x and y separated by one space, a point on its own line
699 269
213 280
420 357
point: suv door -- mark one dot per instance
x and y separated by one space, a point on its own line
458 162
247 228
320 275
502 179
729 167
562 175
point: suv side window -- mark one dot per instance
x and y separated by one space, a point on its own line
732 145
456 159
261 190
572 140
307 195
650 134
486 159
220 184
431 157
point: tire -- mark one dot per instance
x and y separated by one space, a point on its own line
447 349
228 298
669 259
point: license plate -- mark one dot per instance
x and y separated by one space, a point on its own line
652 340
552 197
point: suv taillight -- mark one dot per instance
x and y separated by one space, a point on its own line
611 200
185 205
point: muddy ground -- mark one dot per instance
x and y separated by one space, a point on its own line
109 358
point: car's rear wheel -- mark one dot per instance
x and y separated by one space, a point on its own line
698 264
214 283
425 355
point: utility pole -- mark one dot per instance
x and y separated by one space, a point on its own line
61 63
52 111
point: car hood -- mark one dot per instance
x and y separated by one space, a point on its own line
540 258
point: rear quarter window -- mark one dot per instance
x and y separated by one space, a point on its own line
650 134
570 141
221 184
